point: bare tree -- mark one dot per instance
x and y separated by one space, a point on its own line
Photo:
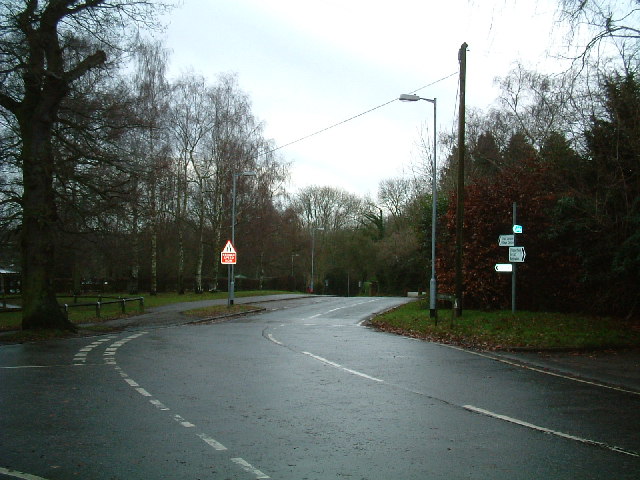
191 121
152 90
608 25
39 62
329 208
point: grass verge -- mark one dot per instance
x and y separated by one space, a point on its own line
220 311
508 331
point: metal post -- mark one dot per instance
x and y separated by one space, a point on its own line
313 244
232 282
433 292
231 271
513 271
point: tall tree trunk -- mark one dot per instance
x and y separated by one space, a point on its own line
40 307
154 261
181 222
180 261
201 217
153 289
134 285
200 259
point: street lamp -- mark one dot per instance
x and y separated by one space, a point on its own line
231 272
434 194
293 278
313 243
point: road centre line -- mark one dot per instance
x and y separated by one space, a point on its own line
340 367
109 358
556 433
247 467
211 442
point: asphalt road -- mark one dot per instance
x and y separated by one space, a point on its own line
300 391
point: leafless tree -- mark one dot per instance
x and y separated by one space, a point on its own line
39 63
602 28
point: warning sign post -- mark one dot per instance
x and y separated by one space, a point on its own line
228 256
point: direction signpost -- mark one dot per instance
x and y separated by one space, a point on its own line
516 255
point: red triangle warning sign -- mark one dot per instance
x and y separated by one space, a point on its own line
228 255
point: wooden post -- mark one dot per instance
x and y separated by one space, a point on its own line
462 58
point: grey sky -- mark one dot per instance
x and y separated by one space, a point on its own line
310 64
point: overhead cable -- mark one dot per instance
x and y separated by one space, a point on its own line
355 116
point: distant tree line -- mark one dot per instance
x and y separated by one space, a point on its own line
577 186
114 176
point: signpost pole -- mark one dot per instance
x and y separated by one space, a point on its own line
513 272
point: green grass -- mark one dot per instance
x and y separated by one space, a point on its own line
504 330
220 310
80 315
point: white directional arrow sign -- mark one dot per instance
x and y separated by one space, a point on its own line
516 254
504 267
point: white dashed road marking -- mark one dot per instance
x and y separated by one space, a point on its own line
109 358
246 466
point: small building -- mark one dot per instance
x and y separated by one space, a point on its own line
10 282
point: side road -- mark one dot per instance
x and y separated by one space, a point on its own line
171 315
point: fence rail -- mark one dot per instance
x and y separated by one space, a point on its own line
98 305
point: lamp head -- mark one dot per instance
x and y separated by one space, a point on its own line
406 97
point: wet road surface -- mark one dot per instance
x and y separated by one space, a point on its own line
300 391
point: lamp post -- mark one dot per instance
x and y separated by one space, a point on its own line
293 255
434 194
231 273
313 244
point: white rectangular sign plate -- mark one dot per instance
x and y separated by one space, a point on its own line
504 267
506 240
516 254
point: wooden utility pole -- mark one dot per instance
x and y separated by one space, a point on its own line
462 58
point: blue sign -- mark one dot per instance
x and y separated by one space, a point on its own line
517 229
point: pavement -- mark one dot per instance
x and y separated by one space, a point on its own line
615 368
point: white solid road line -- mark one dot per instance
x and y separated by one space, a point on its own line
16 474
522 423
514 363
